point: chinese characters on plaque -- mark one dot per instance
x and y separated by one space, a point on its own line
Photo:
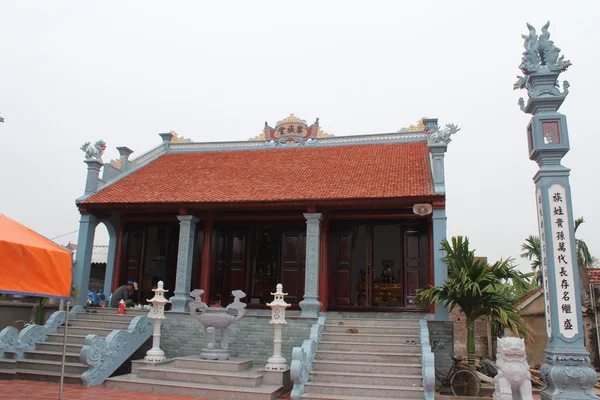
563 260
544 260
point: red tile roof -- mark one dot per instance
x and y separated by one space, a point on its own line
594 275
367 171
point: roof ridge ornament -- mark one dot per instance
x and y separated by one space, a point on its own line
291 131
436 135
541 65
93 152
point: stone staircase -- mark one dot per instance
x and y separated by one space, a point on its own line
367 358
44 363
233 379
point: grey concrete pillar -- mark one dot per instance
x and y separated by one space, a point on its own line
124 152
185 256
91 182
112 225
440 268
83 257
311 305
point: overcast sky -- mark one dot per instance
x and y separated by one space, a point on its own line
123 71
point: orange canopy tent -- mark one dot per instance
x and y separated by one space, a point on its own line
32 265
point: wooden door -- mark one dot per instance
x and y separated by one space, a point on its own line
230 263
415 263
134 250
342 272
293 264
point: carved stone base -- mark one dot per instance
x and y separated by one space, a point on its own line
155 355
568 377
276 364
214 354
310 306
179 303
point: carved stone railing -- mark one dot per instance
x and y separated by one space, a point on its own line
303 357
32 334
104 356
8 340
427 362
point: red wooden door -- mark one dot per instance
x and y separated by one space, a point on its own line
342 271
293 264
230 263
134 250
415 263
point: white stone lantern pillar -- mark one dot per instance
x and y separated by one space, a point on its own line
157 314
278 306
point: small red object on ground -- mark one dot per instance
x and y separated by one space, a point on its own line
121 307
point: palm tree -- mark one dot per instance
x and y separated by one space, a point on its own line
531 249
479 289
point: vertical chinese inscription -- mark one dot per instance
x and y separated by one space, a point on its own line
563 259
544 261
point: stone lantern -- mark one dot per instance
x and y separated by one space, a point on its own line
278 306
157 314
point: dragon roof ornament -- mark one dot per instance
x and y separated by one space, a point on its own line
95 151
541 65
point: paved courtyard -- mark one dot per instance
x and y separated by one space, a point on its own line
31 390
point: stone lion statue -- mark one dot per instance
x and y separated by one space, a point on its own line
513 380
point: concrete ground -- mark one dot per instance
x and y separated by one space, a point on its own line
32 390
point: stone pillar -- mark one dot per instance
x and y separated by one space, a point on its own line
437 151
112 225
166 137
91 181
311 305
124 152
567 371
185 256
440 268
83 257
324 267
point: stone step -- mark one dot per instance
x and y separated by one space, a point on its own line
58 347
8 368
55 366
71 339
135 383
215 378
47 376
363 378
372 338
388 348
398 358
104 316
367 329
114 311
106 324
51 356
197 363
371 391
80 330
367 367
334 397
408 323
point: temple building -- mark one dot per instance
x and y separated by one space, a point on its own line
345 223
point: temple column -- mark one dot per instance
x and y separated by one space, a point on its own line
205 270
440 268
83 257
311 305
185 256
324 267
112 225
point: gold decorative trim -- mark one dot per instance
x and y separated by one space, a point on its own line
177 139
291 118
116 163
415 128
322 133
259 137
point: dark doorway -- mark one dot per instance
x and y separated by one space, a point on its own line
377 264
